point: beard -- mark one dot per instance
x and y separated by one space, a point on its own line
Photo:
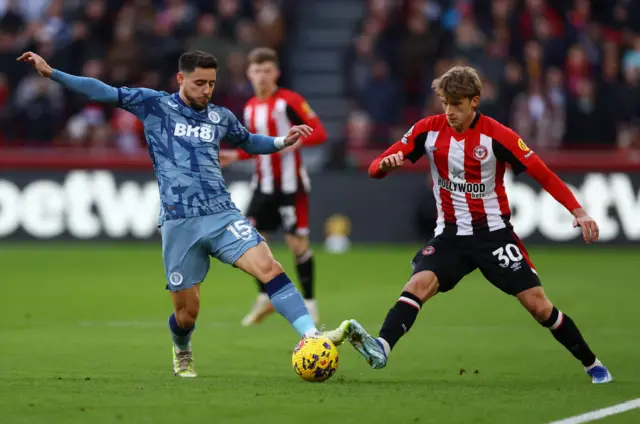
197 103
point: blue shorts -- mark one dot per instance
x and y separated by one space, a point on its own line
187 244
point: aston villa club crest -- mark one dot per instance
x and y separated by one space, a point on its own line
214 117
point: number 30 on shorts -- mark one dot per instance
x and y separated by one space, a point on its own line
241 229
508 254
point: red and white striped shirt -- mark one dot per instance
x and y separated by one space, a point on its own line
468 169
281 172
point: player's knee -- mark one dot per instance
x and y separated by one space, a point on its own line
537 303
267 269
423 285
187 317
541 310
297 244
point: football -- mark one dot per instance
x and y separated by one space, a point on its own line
315 359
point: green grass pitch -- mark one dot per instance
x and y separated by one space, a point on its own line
83 339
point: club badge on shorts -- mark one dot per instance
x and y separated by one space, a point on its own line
175 279
428 250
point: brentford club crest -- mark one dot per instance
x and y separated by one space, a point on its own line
480 152
428 250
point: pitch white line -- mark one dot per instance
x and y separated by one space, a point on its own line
601 413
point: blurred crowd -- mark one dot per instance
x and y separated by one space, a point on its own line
562 73
122 42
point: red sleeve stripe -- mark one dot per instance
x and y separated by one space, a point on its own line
552 184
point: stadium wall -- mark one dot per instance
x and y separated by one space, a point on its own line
122 204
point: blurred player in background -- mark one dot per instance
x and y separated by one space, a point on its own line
468 155
197 218
281 184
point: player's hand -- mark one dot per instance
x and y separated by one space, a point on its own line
227 157
392 162
295 146
38 62
295 133
590 230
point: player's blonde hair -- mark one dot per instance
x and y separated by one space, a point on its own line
458 83
262 55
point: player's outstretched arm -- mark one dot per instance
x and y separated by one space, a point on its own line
553 185
390 160
511 149
410 147
93 88
257 144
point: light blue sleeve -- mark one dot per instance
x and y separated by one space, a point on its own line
133 100
90 87
258 144
137 100
255 144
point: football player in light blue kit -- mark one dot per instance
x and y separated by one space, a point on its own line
197 218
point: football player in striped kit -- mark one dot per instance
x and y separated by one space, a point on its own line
281 184
468 154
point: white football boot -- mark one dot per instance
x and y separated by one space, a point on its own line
183 363
312 307
338 335
260 310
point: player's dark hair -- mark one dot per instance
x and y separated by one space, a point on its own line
189 61
262 55
458 83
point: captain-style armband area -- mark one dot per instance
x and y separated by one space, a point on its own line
279 143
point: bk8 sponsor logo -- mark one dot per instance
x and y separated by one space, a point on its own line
205 132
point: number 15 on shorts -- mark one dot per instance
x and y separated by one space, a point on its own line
241 229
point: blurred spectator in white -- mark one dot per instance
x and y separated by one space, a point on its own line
270 24
359 130
538 116
31 10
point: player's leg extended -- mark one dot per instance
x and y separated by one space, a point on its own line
400 318
299 246
504 261
260 263
438 267
563 330
242 246
287 301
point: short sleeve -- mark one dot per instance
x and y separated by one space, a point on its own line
137 100
236 132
